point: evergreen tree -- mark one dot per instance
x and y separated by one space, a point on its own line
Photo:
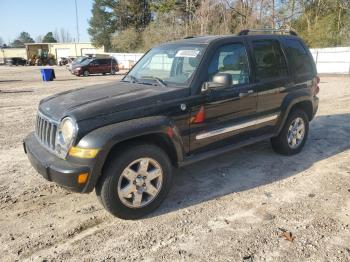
102 23
132 13
25 37
48 38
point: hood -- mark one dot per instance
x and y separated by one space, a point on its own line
101 100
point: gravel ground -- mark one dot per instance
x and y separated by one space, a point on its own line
235 207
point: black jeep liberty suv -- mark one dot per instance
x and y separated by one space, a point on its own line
184 101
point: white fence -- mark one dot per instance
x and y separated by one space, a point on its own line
332 60
328 60
126 60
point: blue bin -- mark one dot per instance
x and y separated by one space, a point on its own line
47 74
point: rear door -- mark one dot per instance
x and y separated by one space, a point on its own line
102 65
107 65
272 77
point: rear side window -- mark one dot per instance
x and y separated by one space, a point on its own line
299 58
270 61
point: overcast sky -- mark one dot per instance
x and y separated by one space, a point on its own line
37 17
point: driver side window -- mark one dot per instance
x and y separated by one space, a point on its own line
231 59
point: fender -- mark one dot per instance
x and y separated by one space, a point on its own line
108 136
289 101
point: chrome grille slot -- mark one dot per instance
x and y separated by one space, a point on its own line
46 131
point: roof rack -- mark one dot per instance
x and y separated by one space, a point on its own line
272 31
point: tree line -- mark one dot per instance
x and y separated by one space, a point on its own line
57 36
137 25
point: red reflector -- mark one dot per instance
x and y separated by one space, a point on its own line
170 132
200 116
317 90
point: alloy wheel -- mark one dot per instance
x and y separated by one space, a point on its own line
296 132
140 182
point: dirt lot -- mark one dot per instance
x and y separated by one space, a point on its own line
230 208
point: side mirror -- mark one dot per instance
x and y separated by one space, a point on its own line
220 80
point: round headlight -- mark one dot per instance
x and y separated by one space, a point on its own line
67 130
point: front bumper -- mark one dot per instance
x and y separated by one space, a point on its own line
52 168
76 72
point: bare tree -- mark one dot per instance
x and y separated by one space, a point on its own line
39 39
62 36
65 36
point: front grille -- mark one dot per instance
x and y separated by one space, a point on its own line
46 130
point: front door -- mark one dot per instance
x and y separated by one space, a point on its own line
218 116
93 67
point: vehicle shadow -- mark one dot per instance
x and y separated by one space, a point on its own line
9 81
255 165
69 79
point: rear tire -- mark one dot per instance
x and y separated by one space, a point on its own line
293 135
135 181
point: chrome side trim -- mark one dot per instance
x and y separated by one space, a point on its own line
236 127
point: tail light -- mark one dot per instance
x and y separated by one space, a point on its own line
317 87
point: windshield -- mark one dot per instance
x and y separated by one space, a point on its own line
80 59
171 64
85 61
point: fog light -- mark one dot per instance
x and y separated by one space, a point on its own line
83 152
82 178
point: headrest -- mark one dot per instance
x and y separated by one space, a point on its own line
269 58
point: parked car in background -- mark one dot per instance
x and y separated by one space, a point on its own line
70 62
63 61
75 62
16 61
96 66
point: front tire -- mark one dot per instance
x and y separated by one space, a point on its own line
293 135
135 181
86 73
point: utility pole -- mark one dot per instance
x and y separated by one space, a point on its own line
76 19
273 14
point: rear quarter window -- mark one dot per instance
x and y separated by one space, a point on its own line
299 58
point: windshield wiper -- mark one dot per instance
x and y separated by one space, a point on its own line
157 79
133 79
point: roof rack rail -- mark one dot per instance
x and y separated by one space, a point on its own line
190 36
273 31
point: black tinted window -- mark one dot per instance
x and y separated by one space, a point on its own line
231 59
270 62
95 62
299 58
104 61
